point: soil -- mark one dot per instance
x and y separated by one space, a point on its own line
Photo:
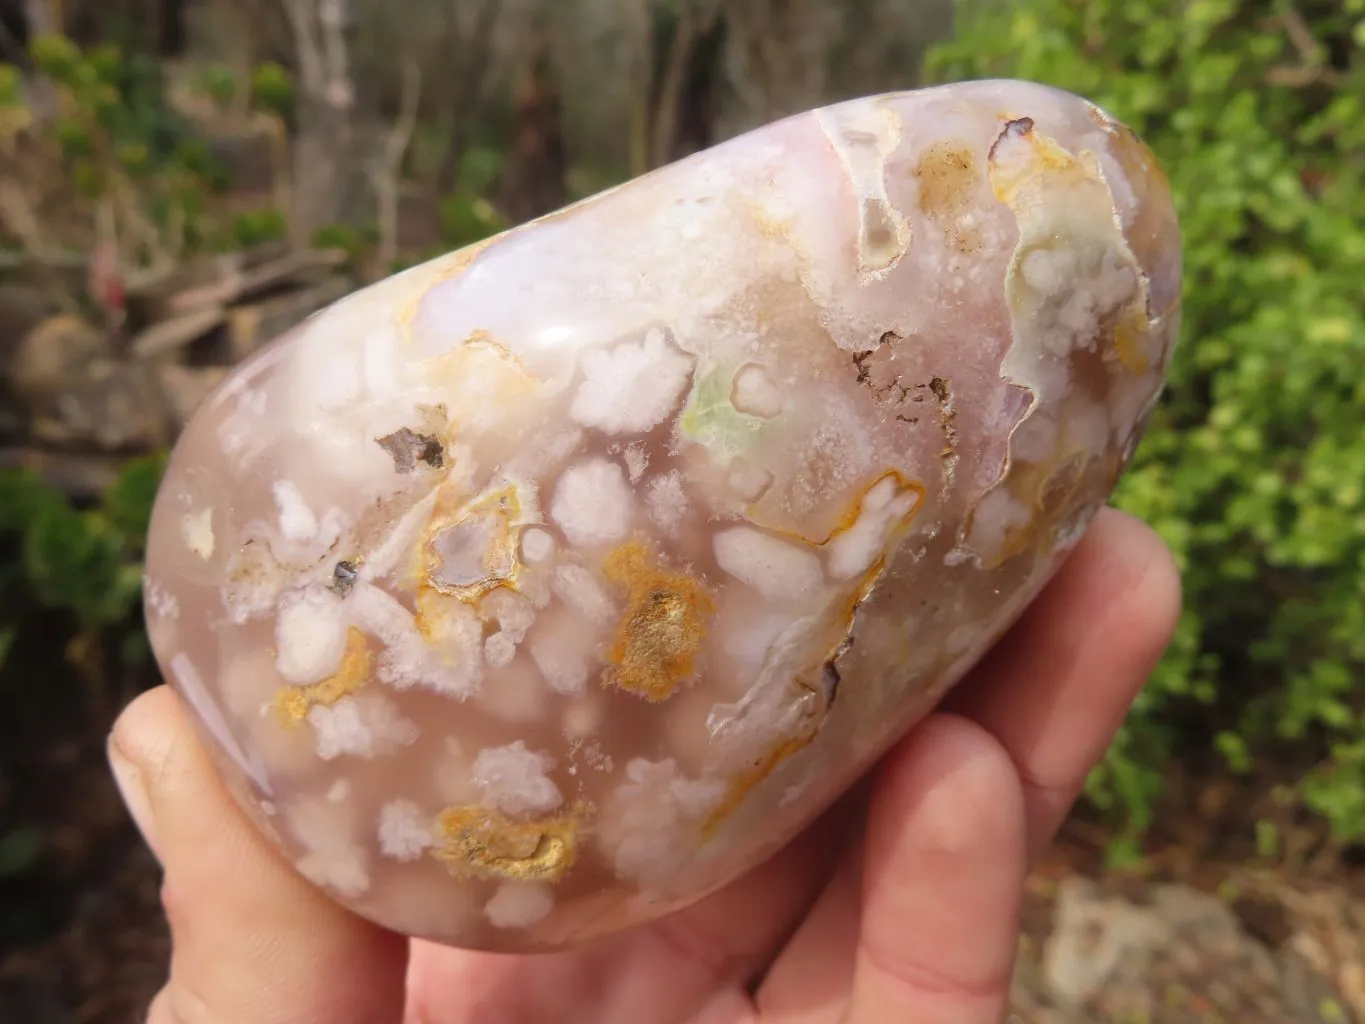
1188 941
1202 934
82 938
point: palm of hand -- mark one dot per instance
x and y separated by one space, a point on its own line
900 904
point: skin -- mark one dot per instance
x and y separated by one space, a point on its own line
901 904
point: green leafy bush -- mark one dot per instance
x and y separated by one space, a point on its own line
114 145
467 216
86 562
219 83
70 582
118 145
256 226
272 89
1254 468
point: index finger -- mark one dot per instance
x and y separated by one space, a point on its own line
1056 689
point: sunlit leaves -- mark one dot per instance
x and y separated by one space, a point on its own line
1255 465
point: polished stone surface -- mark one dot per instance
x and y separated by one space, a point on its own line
545 587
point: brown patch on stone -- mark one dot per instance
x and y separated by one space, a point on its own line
1015 128
863 361
876 370
343 578
947 419
1128 335
293 703
660 632
474 842
407 448
948 175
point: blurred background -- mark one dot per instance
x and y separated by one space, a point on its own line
182 180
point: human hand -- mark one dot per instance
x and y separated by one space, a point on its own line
899 905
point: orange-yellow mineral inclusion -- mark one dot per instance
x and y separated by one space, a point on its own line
479 843
293 703
660 634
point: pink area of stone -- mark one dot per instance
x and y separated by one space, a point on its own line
544 588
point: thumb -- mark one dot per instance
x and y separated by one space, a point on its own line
253 942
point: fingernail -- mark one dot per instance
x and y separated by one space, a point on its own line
128 777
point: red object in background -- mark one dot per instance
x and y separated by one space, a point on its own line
105 282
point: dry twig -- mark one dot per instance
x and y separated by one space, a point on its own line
1313 67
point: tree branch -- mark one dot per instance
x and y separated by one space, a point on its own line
306 46
339 90
466 85
388 173
1312 55
696 19
322 151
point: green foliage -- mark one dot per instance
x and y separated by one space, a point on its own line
255 226
467 216
56 56
114 135
466 219
86 565
114 103
85 561
127 505
1254 468
480 167
272 89
11 86
219 83
358 241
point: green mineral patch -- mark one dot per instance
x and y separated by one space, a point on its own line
711 420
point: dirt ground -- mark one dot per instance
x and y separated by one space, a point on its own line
1202 935
81 933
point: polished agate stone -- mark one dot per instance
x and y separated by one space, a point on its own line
542 589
